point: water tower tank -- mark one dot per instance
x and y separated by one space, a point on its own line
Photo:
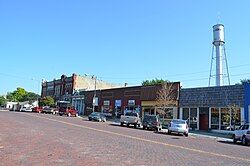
219 37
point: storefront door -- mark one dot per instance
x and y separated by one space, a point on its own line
203 118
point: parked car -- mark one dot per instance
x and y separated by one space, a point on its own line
97 116
37 109
69 111
131 118
151 122
247 138
25 109
242 134
178 126
49 110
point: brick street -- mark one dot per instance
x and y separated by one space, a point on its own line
43 139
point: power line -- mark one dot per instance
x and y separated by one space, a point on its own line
173 75
133 78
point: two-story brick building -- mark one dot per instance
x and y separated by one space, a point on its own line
63 88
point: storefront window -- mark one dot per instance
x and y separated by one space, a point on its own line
225 119
215 118
166 113
149 111
236 118
193 118
185 114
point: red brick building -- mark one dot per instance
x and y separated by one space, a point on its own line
63 88
138 98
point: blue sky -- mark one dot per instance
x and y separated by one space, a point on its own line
119 40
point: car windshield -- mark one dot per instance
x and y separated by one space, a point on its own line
95 113
131 114
152 118
178 121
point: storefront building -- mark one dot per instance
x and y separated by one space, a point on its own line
78 101
140 99
215 108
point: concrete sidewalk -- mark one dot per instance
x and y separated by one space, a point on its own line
209 134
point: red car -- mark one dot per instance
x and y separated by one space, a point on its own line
65 108
37 109
69 111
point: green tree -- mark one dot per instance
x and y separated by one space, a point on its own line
243 81
2 101
31 97
155 81
20 95
47 101
17 95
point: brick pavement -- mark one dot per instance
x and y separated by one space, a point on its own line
29 139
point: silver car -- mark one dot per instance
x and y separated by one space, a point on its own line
242 134
178 126
247 138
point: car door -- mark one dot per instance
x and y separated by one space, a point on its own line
238 132
245 129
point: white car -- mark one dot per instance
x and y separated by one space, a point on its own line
242 134
26 109
178 126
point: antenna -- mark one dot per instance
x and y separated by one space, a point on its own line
218 17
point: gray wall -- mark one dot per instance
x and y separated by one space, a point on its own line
220 96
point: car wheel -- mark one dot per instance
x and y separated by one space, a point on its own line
99 120
244 142
144 127
186 134
121 123
89 119
135 125
234 139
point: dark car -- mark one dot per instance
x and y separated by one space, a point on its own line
151 122
97 116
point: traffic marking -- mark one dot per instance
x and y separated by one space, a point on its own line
146 140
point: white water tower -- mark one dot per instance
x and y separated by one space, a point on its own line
220 57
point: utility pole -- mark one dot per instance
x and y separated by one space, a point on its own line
94 98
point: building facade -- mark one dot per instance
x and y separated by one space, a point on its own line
141 99
215 108
63 88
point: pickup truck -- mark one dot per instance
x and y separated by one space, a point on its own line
131 118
